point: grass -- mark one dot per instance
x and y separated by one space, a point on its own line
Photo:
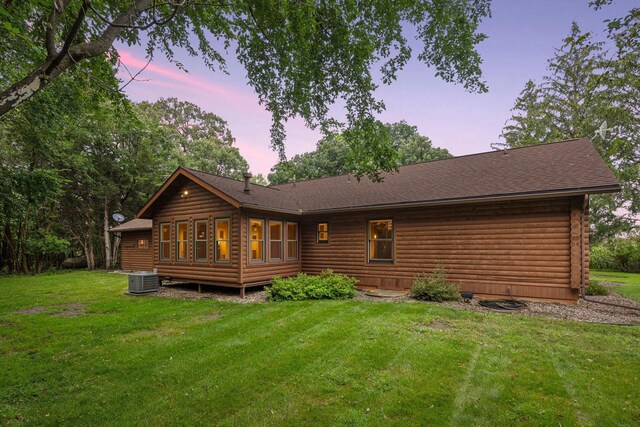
150 360
629 282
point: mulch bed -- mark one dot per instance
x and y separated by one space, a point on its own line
583 311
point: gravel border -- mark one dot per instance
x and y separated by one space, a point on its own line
189 291
583 311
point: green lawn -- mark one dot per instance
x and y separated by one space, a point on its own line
630 282
149 360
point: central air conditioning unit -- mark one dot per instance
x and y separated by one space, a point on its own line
143 283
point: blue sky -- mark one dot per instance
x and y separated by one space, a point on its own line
522 36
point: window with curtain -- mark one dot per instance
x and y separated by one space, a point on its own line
182 240
201 240
275 240
165 241
222 240
256 240
381 240
292 241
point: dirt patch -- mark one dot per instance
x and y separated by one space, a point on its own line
32 310
63 310
435 325
71 310
439 325
213 316
189 291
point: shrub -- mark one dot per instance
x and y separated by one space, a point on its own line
595 288
328 285
434 287
601 258
619 254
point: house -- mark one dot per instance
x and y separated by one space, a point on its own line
512 222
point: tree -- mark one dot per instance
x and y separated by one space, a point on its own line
585 90
201 140
186 122
300 57
332 155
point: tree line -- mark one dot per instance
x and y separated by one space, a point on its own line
74 155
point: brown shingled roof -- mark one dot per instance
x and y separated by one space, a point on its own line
135 224
259 196
567 167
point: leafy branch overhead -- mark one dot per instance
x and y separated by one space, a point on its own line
301 57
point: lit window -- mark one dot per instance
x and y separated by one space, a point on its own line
165 241
275 241
323 232
222 240
143 243
256 237
292 240
201 239
381 240
182 239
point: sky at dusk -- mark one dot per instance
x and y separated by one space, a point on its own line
521 34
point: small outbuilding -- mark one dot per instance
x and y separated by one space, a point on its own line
136 253
502 223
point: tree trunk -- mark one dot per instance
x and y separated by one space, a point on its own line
24 263
107 236
91 260
115 257
9 248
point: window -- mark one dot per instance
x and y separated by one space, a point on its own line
201 239
182 238
256 243
275 241
222 240
143 243
323 232
381 240
165 241
292 240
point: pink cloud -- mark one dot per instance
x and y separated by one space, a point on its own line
236 99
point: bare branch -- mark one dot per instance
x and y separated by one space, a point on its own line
134 77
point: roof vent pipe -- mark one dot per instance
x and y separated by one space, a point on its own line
247 178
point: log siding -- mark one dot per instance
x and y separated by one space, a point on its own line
134 257
525 248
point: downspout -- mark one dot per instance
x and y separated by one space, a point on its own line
583 293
